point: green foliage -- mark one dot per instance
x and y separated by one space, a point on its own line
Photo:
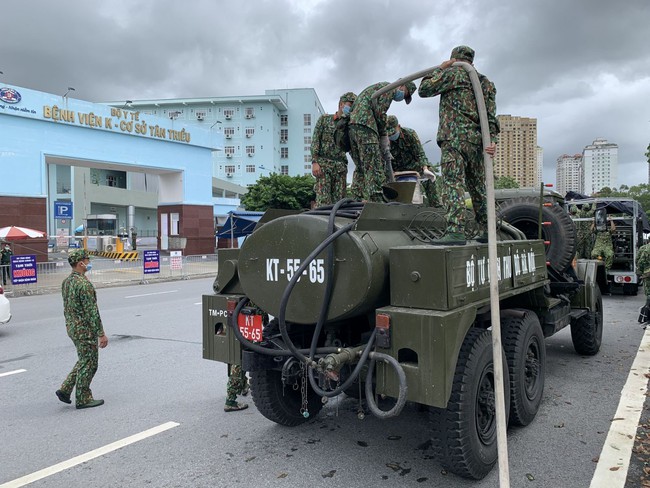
640 193
280 191
505 182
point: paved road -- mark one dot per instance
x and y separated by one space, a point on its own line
152 373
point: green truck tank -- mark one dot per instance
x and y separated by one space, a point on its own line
354 298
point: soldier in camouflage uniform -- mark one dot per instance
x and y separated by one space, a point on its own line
237 385
584 230
369 141
643 268
408 155
84 327
459 138
329 163
604 247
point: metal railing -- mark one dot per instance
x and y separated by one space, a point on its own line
108 272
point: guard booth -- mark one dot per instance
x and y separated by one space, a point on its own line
101 233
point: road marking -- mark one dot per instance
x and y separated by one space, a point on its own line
198 303
114 446
13 372
149 294
614 460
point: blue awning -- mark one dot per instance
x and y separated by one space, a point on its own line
240 223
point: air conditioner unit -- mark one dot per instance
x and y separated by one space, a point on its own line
228 136
249 135
109 248
200 116
228 116
249 116
283 141
229 155
228 175
250 155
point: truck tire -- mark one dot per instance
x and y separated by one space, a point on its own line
587 331
523 342
523 213
464 434
281 404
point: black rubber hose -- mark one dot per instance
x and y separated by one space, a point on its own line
403 387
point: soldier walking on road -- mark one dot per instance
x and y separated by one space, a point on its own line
369 141
460 141
408 155
84 327
237 385
329 163
643 268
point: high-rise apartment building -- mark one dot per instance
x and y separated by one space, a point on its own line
568 174
516 155
540 165
600 166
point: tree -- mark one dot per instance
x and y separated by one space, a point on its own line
280 191
505 182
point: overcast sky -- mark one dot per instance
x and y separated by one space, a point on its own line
581 67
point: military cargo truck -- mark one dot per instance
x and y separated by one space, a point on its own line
354 298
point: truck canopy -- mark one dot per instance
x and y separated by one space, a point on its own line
612 205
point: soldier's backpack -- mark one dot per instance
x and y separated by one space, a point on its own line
342 134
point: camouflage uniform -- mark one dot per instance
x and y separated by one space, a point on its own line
604 248
237 384
643 267
84 327
331 184
408 155
584 233
459 138
367 125
5 263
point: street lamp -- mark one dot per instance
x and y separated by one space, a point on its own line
69 90
217 122
127 104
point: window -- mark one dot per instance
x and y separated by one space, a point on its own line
307 139
284 135
250 150
308 158
284 169
175 224
229 150
284 120
250 168
307 148
307 166
307 130
229 168
284 153
250 131
111 180
228 113
228 132
200 114
307 119
249 112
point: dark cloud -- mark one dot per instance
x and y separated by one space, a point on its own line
582 68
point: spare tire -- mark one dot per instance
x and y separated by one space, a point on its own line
523 213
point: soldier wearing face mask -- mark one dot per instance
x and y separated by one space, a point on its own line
408 155
5 261
84 327
369 140
329 163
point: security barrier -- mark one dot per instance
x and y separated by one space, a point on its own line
124 256
115 272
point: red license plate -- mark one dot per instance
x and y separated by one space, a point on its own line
251 327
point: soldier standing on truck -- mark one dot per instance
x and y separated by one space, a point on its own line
604 247
459 138
584 230
369 141
329 163
408 155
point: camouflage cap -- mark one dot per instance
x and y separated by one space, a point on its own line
348 97
392 124
77 255
412 88
463 53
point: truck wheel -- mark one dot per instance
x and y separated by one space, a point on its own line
523 342
465 433
587 331
523 213
281 404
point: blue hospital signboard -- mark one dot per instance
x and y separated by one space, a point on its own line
23 269
63 210
151 261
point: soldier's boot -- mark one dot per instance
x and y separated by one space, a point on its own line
644 312
450 239
91 404
246 389
234 406
63 396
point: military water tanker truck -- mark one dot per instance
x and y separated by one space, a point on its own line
354 298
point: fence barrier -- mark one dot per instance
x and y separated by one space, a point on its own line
109 272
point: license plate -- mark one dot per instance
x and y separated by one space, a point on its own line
250 327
